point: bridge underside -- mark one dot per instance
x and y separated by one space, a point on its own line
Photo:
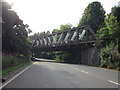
65 47
83 53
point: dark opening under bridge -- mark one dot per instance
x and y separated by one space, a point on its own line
78 41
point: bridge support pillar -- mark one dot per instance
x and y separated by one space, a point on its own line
87 56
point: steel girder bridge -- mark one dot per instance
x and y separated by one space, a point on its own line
75 38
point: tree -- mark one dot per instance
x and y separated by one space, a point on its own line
55 30
14 32
63 27
93 15
116 12
39 34
109 39
110 32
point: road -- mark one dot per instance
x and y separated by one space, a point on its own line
60 75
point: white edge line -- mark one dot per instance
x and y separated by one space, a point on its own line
15 76
81 70
113 82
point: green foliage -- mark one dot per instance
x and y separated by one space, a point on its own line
36 35
11 69
10 60
63 27
58 56
93 15
55 30
110 57
66 56
115 11
14 32
62 56
109 39
110 32
45 55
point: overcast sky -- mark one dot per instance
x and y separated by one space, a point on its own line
43 15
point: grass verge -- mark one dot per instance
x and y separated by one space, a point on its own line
12 69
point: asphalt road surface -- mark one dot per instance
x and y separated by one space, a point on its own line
60 75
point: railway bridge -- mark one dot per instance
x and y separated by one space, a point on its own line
79 41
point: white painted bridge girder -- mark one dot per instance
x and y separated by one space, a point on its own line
56 39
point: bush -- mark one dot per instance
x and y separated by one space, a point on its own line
45 55
62 56
110 57
10 60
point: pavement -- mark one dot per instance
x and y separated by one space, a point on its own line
48 74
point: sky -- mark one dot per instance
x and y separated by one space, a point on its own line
44 15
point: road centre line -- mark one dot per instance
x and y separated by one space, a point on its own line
15 76
80 70
113 82
96 76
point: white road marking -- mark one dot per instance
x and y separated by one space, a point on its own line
59 64
113 82
95 75
15 76
80 70
63 64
